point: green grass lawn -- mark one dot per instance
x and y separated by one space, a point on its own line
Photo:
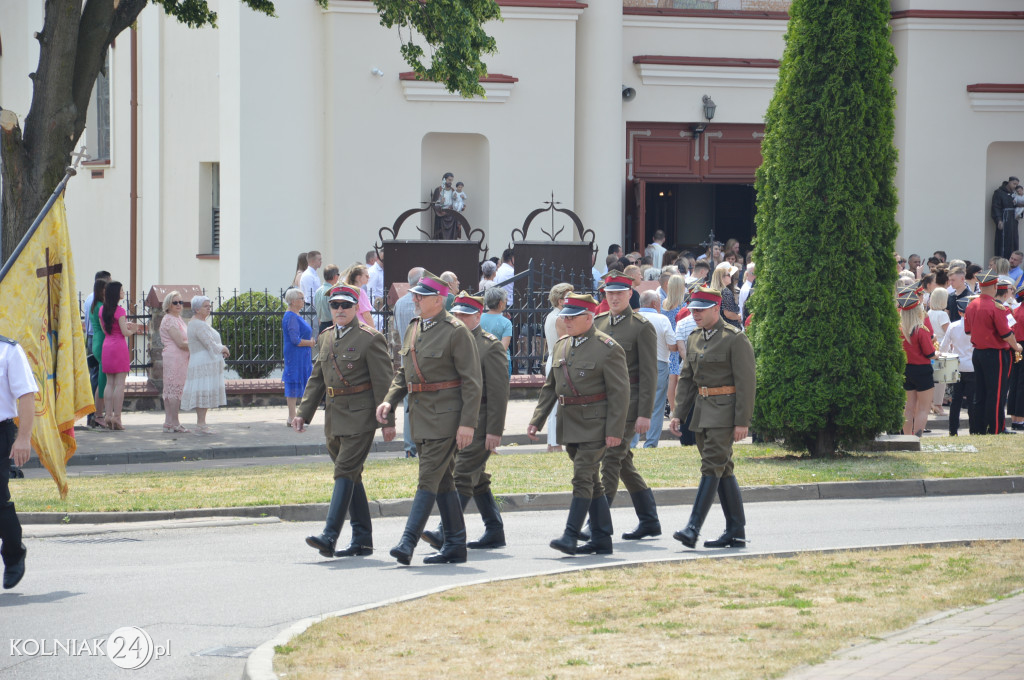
758 465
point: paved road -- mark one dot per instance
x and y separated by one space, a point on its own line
224 590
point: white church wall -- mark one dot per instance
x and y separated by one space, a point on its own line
375 134
944 181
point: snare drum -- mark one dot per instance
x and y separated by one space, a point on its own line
945 368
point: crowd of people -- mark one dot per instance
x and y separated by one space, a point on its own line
957 310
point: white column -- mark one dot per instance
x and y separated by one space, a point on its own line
230 68
150 145
600 159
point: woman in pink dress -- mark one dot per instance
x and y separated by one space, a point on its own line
358 276
174 336
115 361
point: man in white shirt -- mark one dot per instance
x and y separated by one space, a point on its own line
650 308
375 286
656 250
506 271
310 279
17 400
958 342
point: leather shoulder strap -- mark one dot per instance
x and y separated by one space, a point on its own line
412 353
565 368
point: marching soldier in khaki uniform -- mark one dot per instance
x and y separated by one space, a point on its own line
471 481
590 381
718 373
441 374
638 338
353 369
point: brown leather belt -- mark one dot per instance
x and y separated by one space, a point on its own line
342 391
715 391
576 401
434 387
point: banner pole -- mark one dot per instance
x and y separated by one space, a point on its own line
70 172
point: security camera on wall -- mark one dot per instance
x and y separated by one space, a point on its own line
628 94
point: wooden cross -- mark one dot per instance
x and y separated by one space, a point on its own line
46 272
79 156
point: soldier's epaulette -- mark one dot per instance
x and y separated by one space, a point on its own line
640 317
999 306
489 336
563 337
598 316
369 329
329 328
8 340
732 329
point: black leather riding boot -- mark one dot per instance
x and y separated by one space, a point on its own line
340 499
453 551
494 528
435 538
600 542
735 535
647 513
701 505
422 503
585 531
362 527
577 513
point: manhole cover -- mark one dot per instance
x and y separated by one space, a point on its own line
99 539
232 652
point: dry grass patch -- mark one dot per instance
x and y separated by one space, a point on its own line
747 618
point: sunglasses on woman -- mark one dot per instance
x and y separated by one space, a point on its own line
339 304
177 302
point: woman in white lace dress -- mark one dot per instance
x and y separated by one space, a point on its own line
204 384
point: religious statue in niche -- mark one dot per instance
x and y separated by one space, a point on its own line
443 199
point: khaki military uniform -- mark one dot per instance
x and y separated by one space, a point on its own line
582 370
353 369
718 358
444 386
639 339
470 462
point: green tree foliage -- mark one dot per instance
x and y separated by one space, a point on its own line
73 46
825 330
250 327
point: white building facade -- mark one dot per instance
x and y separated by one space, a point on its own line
270 136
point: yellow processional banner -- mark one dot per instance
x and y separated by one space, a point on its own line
39 309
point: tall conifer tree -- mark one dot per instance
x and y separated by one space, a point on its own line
825 329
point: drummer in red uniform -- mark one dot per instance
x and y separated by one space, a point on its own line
917 376
1015 402
985 321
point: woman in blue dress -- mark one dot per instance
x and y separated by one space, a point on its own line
298 350
496 323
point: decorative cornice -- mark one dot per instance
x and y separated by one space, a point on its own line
704 61
706 71
497 86
703 13
517 9
957 14
996 97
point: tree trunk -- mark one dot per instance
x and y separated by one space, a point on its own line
824 443
20 195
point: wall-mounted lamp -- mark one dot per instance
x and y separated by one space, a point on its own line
709 107
377 72
628 94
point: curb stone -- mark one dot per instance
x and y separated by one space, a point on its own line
897 488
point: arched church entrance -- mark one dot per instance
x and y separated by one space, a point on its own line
689 178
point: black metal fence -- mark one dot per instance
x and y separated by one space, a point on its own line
250 322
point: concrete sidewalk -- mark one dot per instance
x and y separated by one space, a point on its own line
255 432
983 643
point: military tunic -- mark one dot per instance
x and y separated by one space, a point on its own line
348 359
639 339
470 477
445 352
595 364
719 357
